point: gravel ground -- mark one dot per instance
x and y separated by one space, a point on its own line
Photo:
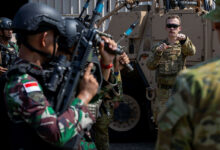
131 146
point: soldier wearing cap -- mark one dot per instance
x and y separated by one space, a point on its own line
191 120
168 58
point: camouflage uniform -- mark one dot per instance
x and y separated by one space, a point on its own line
111 92
26 103
191 120
6 58
167 64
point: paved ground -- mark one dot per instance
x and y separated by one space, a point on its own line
132 146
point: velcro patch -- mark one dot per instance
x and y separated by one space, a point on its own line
31 87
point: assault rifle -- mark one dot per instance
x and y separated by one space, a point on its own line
83 54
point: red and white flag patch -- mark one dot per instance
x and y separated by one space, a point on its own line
31 87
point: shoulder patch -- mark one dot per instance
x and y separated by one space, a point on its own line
31 87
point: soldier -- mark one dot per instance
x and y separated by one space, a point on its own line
111 98
111 90
32 122
191 120
168 59
8 48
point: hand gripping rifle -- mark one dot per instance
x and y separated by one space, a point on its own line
120 50
83 54
64 79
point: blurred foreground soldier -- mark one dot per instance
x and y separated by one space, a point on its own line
33 124
168 58
191 120
8 49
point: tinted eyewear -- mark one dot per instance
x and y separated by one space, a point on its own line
172 25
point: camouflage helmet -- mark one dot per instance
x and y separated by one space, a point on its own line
5 23
73 28
37 17
214 15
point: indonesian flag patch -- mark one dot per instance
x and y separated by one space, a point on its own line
31 87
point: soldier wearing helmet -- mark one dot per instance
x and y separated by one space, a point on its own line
191 120
8 49
103 104
31 121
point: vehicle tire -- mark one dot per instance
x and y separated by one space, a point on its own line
130 121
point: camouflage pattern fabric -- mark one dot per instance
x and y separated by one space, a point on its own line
11 46
167 64
112 92
191 120
84 145
27 103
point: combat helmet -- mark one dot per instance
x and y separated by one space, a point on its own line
73 29
5 23
33 18
37 17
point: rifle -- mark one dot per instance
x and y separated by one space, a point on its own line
83 54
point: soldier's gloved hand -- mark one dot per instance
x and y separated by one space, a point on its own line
2 70
88 86
181 37
120 61
106 57
161 48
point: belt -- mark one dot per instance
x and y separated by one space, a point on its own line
164 86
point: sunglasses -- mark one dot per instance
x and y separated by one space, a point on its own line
172 25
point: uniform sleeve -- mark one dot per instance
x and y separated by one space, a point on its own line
25 98
188 48
174 123
111 89
154 59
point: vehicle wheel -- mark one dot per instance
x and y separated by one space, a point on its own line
127 115
129 123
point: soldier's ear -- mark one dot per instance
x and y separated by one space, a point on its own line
43 39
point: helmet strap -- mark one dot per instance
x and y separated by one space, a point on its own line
26 44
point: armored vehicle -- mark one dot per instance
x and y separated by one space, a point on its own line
133 118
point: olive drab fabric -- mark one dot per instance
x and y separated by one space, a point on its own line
167 64
111 92
191 119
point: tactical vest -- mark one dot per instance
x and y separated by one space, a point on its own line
8 55
172 61
20 136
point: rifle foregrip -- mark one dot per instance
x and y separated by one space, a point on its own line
118 51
